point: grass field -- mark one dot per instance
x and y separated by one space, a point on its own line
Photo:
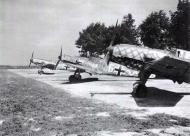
29 107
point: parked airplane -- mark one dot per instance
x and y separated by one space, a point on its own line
43 64
91 65
151 61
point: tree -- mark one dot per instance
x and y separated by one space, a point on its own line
92 40
128 31
96 37
154 30
179 25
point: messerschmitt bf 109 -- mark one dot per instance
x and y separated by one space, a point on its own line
162 63
43 64
91 65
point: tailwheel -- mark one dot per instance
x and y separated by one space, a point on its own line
139 90
75 78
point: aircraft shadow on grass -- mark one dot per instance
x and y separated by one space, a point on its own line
159 98
85 80
48 73
155 97
115 80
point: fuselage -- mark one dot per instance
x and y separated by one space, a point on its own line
43 63
92 64
138 52
95 65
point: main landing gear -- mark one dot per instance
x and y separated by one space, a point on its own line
40 72
76 77
139 90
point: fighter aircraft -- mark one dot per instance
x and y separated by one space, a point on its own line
43 64
151 61
91 65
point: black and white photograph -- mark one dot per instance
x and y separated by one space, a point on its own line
94 67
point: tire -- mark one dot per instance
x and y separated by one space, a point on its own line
71 78
139 90
75 78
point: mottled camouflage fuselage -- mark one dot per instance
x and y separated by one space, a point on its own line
161 62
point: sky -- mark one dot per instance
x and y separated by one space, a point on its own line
43 26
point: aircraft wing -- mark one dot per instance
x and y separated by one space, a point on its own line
172 68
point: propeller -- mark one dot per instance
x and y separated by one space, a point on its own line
110 47
113 37
109 56
31 59
59 58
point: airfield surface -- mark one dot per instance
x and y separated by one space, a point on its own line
73 110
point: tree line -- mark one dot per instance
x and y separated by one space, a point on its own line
157 31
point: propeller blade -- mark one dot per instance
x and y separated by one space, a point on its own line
57 64
61 52
30 63
116 23
31 59
113 37
32 55
60 55
109 56
109 48
59 58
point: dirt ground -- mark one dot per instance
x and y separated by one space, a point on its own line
29 107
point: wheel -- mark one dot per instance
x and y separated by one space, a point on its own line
74 78
71 78
139 90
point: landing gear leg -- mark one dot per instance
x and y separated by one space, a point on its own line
76 77
41 71
139 88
